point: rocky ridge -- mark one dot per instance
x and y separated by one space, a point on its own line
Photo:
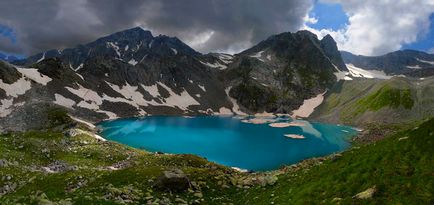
133 73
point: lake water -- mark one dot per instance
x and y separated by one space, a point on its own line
231 141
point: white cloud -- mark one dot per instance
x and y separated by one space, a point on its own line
310 20
380 26
431 50
199 40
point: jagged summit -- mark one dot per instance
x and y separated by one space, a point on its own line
328 44
279 71
135 34
133 72
131 46
301 43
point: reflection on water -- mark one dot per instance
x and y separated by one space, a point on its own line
230 140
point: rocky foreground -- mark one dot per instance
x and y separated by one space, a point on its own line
65 164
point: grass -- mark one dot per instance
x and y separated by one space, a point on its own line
400 166
387 97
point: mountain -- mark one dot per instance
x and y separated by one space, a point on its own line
131 46
364 101
280 72
9 58
133 73
405 62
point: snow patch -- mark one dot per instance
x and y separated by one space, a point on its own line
361 73
308 106
35 75
294 136
225 58
133 62
80 76
115 47
215 65
414 67
269 57
126 47
224 111
258 56
42 58
236 107
152 90
342 75
89 105
131 93
62 101
174 51
182 101
424 61
91 99
202 87
79 67
86 94
17 88
143 58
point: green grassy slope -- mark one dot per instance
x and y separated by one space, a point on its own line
401 167
91 181
382 101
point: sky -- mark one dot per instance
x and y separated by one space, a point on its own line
369 27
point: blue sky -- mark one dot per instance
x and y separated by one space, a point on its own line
426 42
8 34
332 16
329 16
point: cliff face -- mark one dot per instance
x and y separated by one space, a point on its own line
279 73
132 73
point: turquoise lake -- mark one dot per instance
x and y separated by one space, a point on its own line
230 140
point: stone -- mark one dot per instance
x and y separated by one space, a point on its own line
179 200
367 194
336 199
71 133
59 166
402 138
173 180
3 163
198 194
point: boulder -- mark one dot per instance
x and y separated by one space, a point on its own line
3 163
367 194
59 166
173 180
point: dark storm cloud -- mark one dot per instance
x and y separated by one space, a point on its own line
207 25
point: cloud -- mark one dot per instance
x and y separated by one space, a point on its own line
380 26
208 25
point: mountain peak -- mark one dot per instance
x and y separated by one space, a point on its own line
328 44
130 45
132 34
